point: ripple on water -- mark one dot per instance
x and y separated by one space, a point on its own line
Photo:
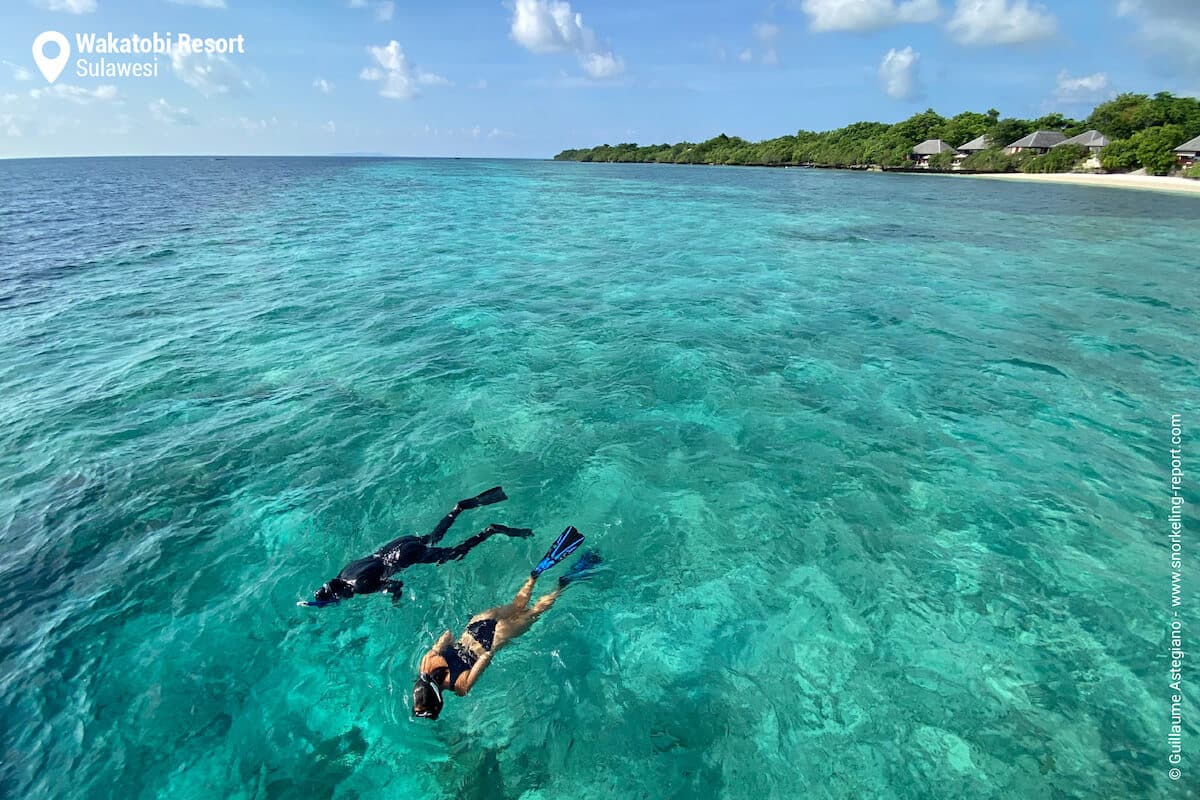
874 493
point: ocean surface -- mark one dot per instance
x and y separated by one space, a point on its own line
878 465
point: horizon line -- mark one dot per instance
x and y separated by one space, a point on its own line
379 156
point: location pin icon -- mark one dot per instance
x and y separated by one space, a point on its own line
51 67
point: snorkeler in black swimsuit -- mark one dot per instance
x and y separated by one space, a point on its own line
455 666
374 573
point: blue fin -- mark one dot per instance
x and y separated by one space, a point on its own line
566 543
582 568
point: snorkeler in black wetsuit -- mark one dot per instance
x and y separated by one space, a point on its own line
374 573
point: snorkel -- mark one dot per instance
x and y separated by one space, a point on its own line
332 593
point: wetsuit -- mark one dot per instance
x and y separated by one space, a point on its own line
374 573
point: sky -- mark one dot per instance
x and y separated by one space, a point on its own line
528 78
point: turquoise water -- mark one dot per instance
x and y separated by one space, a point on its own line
878 465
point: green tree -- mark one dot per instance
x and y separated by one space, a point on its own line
919 127
1063 158
941 161
1116 119
1054 122
1007 131
1153 120
1155 147
1127 114
993 160
962 128
1119 156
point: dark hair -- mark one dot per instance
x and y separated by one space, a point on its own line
427 693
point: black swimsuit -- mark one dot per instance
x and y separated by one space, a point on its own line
484 632
460 659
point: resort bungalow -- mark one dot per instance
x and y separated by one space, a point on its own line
972 147
1188 153
930 147
1094 141
1037 142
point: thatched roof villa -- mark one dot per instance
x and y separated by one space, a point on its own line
979 143
1037 142
1188 153
930 147
975 145
1095 141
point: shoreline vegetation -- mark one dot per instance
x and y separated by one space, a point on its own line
1143 132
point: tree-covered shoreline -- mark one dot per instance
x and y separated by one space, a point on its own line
1143 129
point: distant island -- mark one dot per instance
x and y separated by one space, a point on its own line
1127 133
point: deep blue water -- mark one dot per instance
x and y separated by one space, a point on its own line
878 465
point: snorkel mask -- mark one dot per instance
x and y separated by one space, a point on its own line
427 697
332 592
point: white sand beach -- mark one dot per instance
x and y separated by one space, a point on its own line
1116 181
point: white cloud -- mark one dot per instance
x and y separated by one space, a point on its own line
602 65
255 126
329 127
384 10
1084 89
323 86
547 26
19 72
898 74
767 33
8 124
208 73
550 26
201 3
166 113
70 6
429 79
1170 30
398 77
981 22
480 84
76 94
746 55
867 15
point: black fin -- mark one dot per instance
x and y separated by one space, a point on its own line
493 495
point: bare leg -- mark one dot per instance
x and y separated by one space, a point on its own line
544 603
523 594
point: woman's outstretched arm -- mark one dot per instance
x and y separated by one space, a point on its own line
443 641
